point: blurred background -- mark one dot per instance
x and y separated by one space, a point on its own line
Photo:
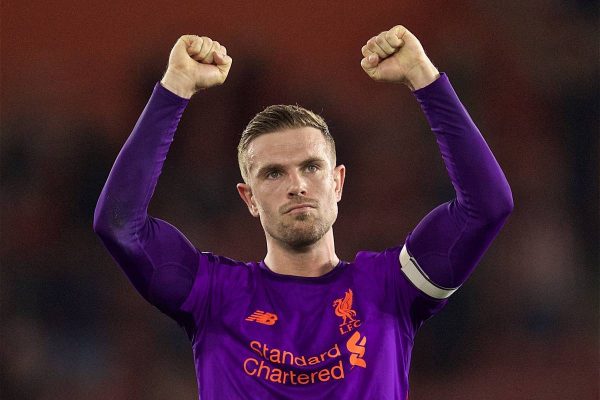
76 76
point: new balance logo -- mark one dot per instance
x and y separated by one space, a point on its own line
262 317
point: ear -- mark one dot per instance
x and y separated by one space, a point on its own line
339 174
246 194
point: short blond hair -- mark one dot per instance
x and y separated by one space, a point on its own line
279 117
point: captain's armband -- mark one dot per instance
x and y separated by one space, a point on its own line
415 274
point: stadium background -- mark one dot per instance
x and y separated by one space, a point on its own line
76 76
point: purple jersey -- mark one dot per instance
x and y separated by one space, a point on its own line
347 334
344 335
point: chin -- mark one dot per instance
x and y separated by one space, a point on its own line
301 231
302 241
303 237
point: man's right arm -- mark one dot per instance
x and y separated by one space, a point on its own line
157 258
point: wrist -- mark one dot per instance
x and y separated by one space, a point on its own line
178 84
421 75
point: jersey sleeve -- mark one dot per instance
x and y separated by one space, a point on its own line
443 249
157 258
381 272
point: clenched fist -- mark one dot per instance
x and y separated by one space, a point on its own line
196 63
397 56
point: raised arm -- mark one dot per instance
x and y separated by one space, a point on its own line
444 248
157 258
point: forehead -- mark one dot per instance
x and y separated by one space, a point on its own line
287 146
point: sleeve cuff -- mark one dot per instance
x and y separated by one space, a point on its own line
442 83
162 91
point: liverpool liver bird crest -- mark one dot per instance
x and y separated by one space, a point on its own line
343 308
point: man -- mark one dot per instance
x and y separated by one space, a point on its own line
301 324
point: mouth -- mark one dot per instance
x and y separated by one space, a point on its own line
299 208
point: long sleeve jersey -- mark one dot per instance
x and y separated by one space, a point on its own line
348 334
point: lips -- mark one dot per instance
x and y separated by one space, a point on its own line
297 206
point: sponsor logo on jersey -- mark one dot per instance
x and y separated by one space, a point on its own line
343 309
284 366
288 368
262 317
356 346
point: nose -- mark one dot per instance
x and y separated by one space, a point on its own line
297 185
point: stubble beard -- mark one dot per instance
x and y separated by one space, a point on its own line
302 230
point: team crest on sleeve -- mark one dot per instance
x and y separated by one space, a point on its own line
343 309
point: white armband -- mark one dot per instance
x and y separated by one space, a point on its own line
419 278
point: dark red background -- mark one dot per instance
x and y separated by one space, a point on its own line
75 77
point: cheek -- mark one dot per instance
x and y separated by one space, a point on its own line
266 204
326 190
330 185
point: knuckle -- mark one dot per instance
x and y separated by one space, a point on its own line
400 29
186 40
197 43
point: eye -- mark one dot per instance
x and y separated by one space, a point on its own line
274 174
312 168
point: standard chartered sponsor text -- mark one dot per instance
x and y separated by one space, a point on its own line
257 367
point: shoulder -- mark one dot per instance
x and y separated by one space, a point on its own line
216 260
217 276
383 258
221 271
380 268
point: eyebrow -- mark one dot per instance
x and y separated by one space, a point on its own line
275 166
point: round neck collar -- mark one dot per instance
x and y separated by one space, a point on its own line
325 277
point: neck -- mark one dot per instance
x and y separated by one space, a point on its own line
314 260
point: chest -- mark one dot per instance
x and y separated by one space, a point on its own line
339 335
311 324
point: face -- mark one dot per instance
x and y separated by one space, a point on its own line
293 185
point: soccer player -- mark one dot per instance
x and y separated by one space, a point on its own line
301 323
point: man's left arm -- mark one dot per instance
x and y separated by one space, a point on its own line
444 248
